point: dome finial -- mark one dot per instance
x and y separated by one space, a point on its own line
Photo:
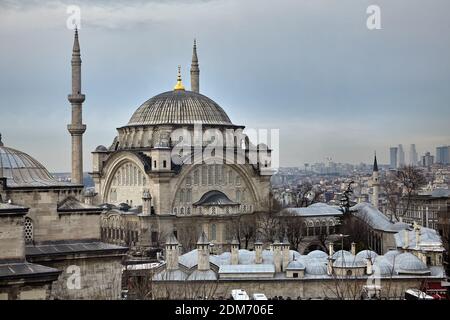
179 85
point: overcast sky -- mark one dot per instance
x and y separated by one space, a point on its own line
310 68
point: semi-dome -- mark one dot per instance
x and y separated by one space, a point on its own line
179 107
22 170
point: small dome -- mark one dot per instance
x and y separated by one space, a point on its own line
179 107
246 256
382 267
367 254
22 170
349 262
101 148
345 253
409 263
391 255
316 267
295 265
317 254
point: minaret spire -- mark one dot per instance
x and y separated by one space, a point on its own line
195 71
76 128
375 182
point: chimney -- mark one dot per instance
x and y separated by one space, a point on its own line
353 248
330 249
406 239
258 252
203 253
285 246
417 237
277 255
330 266
172 251
234 251
146 203
369 269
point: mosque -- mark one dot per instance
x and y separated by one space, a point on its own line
162 190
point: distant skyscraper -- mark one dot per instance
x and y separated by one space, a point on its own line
400 156
443 155
413 157
427 160
393 157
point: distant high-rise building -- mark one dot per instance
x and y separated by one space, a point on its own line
443 155
427 160
393 157
413 157
400 156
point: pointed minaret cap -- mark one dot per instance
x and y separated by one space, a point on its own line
203 239
171 239
194 53
375 163
76 43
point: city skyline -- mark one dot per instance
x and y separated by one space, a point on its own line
341 103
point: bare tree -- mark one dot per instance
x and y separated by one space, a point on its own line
293 226
400 188
243 229
268 226
307 194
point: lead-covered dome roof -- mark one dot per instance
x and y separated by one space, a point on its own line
22 170
179 107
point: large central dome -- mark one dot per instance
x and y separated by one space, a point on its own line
179 107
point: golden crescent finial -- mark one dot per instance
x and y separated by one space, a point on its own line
179 85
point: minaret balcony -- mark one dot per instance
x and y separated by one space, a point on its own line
76 98
76 129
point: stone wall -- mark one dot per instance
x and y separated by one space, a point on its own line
11 237
100 278
292 288
48 224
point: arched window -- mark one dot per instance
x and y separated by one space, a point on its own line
175 211
28 230
210 175
182 195
230 177
204 175
238 180
213 210
349 272
135 182
213 232
196 177
182 211
238 195
188 210
139 177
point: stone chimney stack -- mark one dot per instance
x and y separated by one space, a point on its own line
277 255
369 266
146 203
417 237
172 251
258 252
234 251
353 249
76 128
330 249
406 239
330 265
285 246
203 252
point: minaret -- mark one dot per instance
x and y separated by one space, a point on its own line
195 71
375 183
76 128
